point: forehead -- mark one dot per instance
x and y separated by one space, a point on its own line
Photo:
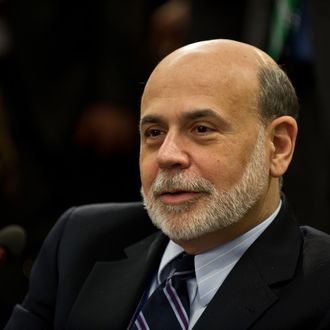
198 81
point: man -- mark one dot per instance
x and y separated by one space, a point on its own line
218 132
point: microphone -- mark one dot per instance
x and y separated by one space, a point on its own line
12 240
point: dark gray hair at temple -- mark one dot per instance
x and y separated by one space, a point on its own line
277 96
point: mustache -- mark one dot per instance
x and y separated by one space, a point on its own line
165 183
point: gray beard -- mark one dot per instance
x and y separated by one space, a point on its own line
213 211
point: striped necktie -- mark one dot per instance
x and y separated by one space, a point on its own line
168 307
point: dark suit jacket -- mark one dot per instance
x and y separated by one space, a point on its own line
97 261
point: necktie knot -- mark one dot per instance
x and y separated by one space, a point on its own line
184 267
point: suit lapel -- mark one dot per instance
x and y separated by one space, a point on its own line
243 297
112 290
249 289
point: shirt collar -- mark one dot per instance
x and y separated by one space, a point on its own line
213 266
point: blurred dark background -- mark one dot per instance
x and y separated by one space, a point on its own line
72 74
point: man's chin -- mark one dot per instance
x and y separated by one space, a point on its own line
178 224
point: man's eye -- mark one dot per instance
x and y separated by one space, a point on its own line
153 133
202 129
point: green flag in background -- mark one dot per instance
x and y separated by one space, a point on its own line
283 19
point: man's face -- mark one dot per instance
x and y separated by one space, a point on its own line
202 159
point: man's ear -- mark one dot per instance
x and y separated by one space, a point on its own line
283 133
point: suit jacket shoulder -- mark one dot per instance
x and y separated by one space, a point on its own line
81 237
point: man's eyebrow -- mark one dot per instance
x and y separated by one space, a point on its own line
151 119
206 113
201 113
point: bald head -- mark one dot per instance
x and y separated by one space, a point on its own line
221 51
244 71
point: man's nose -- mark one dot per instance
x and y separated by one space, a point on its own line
173 153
